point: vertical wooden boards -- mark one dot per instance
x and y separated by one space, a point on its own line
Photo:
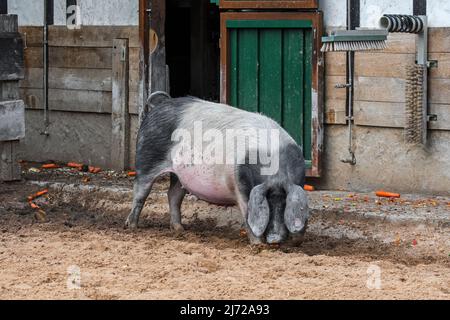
248 63
293 86
307 125
120 135
12 117
9 166
233 67
271 71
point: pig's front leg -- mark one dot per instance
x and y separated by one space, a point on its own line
176 195
243 206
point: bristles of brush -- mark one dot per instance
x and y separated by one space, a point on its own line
414 129
340 46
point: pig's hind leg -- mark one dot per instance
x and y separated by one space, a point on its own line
146 176
176 195
142 188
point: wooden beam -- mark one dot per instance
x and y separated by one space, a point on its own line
9 166
11 49
3 6
9 90
158 69
144 54
120 111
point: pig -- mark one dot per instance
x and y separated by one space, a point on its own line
274 205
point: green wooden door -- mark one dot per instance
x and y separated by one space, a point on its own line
271 72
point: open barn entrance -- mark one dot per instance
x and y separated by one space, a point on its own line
192 48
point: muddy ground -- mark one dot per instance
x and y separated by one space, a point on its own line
357 247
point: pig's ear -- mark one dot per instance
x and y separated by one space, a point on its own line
296 213
258 210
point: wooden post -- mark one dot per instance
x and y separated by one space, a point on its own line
9 164
12 119
144 53
158 68
120 110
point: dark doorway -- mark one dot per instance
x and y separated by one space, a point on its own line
192 48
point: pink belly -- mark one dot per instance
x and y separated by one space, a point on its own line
209 183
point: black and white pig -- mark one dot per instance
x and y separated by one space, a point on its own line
274 206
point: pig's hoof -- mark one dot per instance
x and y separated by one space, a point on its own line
177 228
130 225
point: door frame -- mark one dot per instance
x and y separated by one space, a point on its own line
317 70
283 4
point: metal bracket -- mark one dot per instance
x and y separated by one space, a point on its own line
25 41
432 63
343 85
432 118
123 54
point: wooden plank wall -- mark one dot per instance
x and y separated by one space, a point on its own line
80 68
380 83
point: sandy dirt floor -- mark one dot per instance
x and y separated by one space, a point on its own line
80 251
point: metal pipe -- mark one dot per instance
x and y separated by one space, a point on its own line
45 78
422 59
350 91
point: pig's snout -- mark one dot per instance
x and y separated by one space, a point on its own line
274 239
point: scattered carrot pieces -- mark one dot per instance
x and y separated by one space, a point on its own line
37 195
94 169
308 188
132 174
75 165
34 205
50 166
384 194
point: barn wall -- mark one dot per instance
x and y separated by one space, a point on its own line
80 94
80 78
384 160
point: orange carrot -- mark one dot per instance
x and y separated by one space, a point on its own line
34 205
384 194
37 195
132 174
94 169
308 188
75 165
50 166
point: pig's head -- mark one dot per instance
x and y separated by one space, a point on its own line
278 213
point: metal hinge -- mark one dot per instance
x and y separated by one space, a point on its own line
432 64
432 118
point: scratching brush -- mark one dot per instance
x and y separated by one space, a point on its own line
355 40
414 108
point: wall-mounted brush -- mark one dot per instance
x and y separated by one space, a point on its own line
351 41
416 107
355 40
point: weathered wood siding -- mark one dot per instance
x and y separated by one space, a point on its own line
380 83
80 68
80 93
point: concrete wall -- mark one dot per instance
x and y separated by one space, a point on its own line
371 10
384 160
93 12
73 137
